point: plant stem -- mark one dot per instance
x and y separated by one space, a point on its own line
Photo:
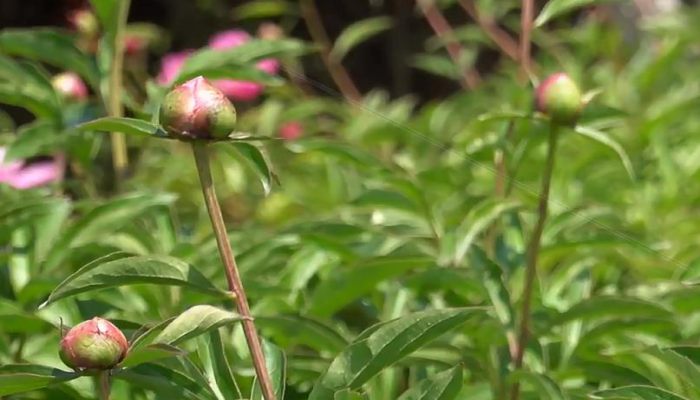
318 33
201 155
439 24
533 250
120 158
104 385
500 37
526 16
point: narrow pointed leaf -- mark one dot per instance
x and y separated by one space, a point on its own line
276 362
636 392
159 270
16 378
129 126
383 345
357 33
445 385
607 140
195 321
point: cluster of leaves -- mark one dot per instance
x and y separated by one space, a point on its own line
387 264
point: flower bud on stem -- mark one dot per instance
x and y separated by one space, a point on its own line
201 155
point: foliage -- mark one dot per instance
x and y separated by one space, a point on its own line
383 251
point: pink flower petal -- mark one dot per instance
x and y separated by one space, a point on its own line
269 65
171 65
291 130
239 90
37 174
228 39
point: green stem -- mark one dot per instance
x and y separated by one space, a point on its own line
104 386
532 254
120 158
235 285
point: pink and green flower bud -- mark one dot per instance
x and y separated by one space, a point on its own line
197 110
84 21
70 86
94 344
559 97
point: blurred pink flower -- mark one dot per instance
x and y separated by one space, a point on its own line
20 175
134 44
291 130
235 89
228 39
170 66
69 85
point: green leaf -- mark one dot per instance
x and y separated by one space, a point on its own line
254 158
223 375
276 363
111 271
50 46
348 284
348 394
383 345
612 307
544 386
636 392
150 353
490 275
683 366
264 9
357 33
208 59
24 378
105 219
555 8
106 11
165 381
130 126
13 319
240 72
195 321
445 385
605 139
479 219
303 330
18 95
37 138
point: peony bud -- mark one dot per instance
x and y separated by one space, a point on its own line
94 344
291 130
559 98
197 110
84 21
70 86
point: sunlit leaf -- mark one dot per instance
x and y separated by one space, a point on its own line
357 33
384 345
445 385
112 272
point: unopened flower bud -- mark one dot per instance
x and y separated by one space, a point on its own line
197 110
84 21
70 86
94 344
270 31
559 98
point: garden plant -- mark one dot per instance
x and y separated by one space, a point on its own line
250 219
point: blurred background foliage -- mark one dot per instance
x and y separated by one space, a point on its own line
416 193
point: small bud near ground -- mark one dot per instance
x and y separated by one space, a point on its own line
197 110
94 344
559 97
70 86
